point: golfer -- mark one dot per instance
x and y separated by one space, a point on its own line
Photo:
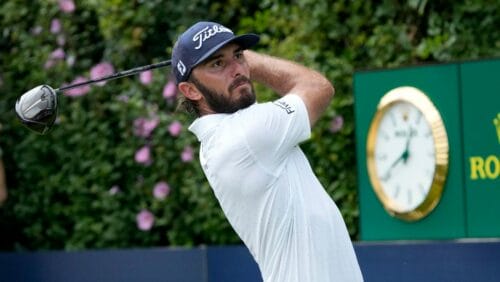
251 157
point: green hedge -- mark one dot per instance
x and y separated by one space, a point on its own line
81 187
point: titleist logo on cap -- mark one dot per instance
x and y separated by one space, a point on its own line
181 68
209 31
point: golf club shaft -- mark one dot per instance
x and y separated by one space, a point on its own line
116 75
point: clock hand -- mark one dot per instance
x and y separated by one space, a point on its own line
404 157
387 175
406 153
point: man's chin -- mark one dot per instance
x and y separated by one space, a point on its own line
247 98
243 103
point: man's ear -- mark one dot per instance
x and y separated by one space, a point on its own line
190 91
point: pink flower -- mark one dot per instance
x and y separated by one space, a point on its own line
70 60
175 128
55 26
57 54
169 90
48 64
79 91
61 40
67 6
100 70
336 124
161 190
187 154
115 189
145 220
143 127
146 77
36 30
122 98
143 155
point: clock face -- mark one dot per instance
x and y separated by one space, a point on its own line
407 153
405 156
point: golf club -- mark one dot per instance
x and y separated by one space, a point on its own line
37 108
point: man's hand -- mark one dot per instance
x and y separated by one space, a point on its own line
286 77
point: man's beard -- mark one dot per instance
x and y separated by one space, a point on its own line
220 103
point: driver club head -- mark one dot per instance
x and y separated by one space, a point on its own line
37 108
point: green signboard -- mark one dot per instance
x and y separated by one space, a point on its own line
466 97
480 83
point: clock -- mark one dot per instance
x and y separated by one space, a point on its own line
407 153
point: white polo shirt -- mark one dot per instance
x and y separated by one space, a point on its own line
270 195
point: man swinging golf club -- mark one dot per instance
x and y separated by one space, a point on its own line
250 155
249 151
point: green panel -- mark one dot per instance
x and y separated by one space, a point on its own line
481 105
440 83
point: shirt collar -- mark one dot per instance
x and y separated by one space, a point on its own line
203 125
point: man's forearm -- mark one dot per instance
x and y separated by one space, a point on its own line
288 77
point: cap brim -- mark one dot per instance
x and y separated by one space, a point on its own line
246 41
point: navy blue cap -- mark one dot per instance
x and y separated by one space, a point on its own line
199 42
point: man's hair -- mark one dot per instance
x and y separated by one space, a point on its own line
187 105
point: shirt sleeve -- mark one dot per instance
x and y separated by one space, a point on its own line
273 129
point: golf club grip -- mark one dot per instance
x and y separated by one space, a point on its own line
117 75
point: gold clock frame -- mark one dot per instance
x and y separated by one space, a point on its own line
420 100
